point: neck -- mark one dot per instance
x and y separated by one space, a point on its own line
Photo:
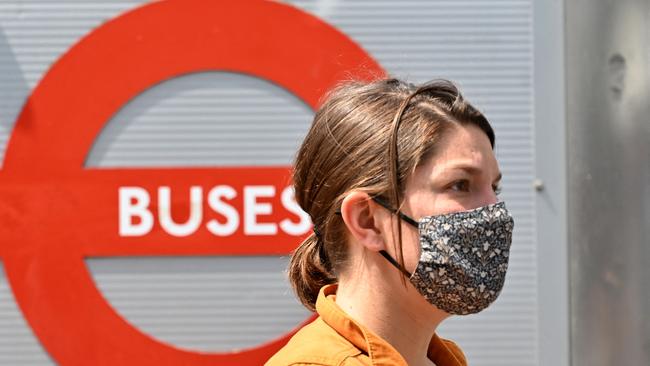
397 313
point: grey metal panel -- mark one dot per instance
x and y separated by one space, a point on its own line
205 119
551 173
609 163
210 304
484 45
18 346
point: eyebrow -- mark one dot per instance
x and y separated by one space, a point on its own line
473 170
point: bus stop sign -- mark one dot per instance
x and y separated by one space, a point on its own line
56 212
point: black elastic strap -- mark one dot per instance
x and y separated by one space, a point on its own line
394 263
322 253
385 205
379 200
404 217
317 232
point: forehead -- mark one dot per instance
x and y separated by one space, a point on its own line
461 147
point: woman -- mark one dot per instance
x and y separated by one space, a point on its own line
401 183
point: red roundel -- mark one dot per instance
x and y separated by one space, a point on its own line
55 212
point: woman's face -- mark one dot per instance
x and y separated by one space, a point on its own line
462 175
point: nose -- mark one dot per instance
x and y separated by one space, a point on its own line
486 196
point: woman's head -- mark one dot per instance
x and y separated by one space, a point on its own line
386 139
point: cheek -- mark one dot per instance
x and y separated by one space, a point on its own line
411 247
447 205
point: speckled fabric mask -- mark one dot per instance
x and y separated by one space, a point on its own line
464 257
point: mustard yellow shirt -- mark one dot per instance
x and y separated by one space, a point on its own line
336 339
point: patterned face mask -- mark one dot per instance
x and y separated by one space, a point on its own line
464 257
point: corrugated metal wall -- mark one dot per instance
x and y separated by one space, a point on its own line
608 84
229 119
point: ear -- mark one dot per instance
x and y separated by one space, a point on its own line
361 218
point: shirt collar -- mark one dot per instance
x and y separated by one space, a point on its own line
380 352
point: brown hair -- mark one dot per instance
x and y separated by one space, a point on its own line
369 137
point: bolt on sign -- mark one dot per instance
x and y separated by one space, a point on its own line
55 212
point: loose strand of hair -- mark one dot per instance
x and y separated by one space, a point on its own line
393 172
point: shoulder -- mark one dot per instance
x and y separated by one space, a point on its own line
317 344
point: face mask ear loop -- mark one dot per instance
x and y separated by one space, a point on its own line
381 202
394 263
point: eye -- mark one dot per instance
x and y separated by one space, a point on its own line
461 185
